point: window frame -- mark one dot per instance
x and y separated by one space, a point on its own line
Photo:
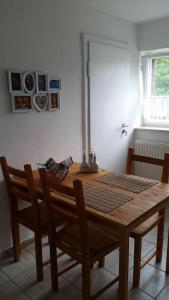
146 68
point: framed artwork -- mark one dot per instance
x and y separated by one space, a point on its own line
29 82
15 81
54 84
21 102
41 82
54 101
40 101
34 89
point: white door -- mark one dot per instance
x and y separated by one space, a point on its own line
108 103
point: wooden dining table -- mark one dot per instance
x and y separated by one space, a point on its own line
120 221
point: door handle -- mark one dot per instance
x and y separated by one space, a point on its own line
123 126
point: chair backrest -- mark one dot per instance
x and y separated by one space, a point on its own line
15 192
164 163
73 215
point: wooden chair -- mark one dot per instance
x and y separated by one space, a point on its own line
167 260
156 220
33 217
81 239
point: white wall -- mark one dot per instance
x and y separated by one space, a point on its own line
153 35
45 35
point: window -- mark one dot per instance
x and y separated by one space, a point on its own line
156 89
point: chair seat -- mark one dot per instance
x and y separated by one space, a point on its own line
98 242
25 217
145 227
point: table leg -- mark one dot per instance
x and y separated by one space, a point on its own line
167 264
123 265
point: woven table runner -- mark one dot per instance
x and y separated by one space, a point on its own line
130 183
103 200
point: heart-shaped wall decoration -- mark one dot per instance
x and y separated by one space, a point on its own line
40 101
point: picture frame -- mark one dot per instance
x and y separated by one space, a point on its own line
54 84
54 101
15 80
29 82
40 101
41 82
31 89
21 102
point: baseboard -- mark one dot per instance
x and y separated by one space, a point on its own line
6 253
24 244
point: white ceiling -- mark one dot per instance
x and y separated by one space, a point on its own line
136 11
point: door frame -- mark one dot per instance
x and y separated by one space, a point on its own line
86 39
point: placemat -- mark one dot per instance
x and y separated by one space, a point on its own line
102 199
130 183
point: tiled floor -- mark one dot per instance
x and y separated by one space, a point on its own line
18 280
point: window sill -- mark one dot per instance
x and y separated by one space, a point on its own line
152 128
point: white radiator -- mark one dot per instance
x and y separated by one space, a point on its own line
156 150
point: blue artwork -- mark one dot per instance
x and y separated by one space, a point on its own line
54 84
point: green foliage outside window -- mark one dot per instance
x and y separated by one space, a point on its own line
161 77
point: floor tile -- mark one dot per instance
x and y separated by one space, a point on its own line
28 282
3 278
134 294
99 277
147 247
45 250
64 261
111 293
23 284
65 292
165 243
43 290
74 276
32 288
151 236
112 262
137 294
10 291
162 264
164 295
13 269
152 280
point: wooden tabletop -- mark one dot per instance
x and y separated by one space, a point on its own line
130 214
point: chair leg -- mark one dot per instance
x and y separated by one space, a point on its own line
137 261
16 241
53 262
85 281
167 260
101 262
39 260
160 237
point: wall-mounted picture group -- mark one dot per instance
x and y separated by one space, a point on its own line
34 89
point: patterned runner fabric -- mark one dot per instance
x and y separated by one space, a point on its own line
130 183
102 199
